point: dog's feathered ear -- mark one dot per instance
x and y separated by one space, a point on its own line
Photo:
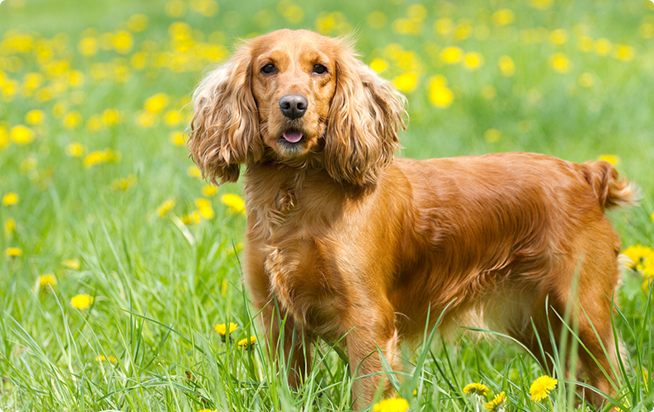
225 126
364 117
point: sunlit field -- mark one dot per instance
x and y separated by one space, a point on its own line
120 274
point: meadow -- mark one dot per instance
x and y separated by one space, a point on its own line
120 271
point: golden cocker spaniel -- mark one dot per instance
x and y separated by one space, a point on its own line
345 239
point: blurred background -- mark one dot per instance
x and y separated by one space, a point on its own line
571 79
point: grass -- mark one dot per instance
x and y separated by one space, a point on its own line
160 283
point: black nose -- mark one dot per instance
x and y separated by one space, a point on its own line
293 105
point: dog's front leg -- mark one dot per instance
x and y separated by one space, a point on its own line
366 345
287 338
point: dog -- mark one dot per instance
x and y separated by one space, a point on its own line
346 241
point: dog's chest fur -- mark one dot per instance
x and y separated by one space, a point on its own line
296 250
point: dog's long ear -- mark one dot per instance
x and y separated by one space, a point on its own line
364 117
225 126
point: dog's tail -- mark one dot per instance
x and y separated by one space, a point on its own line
611 191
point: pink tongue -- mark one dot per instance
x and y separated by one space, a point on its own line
292 136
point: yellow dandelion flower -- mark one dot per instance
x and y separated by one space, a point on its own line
603 46
207 212
378 65
648 266
177 138
10 199
406 82
451 54
21 134
391 405
204 206
146 119
494 405
175 8
192 218
376 20
559 36
193 171
325 23
156 103
124 183
34 117
110 117
202 203
221 329
76 78
541 4
208 410
13 252
71 264
503 17
492 135
585 44
103 358
81 301
138 60
10 89
613 159
439 94
473 60
476 388
506 65
72 120
45 281
417 12
623 52
94 158
247 343
4 138
646 31
10 226
75 149
209 191
104 156
88 46
294 14
207 8
443 26
59 109
463 30
32 81
541 388
560 62
165 207
234 203
636 254
137 22
123 42
173 117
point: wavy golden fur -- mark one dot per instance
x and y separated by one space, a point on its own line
347 240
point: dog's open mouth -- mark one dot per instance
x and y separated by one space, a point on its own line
292 136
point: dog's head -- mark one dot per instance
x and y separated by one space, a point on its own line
292 95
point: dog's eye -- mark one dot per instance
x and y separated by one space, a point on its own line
268 69
319 69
